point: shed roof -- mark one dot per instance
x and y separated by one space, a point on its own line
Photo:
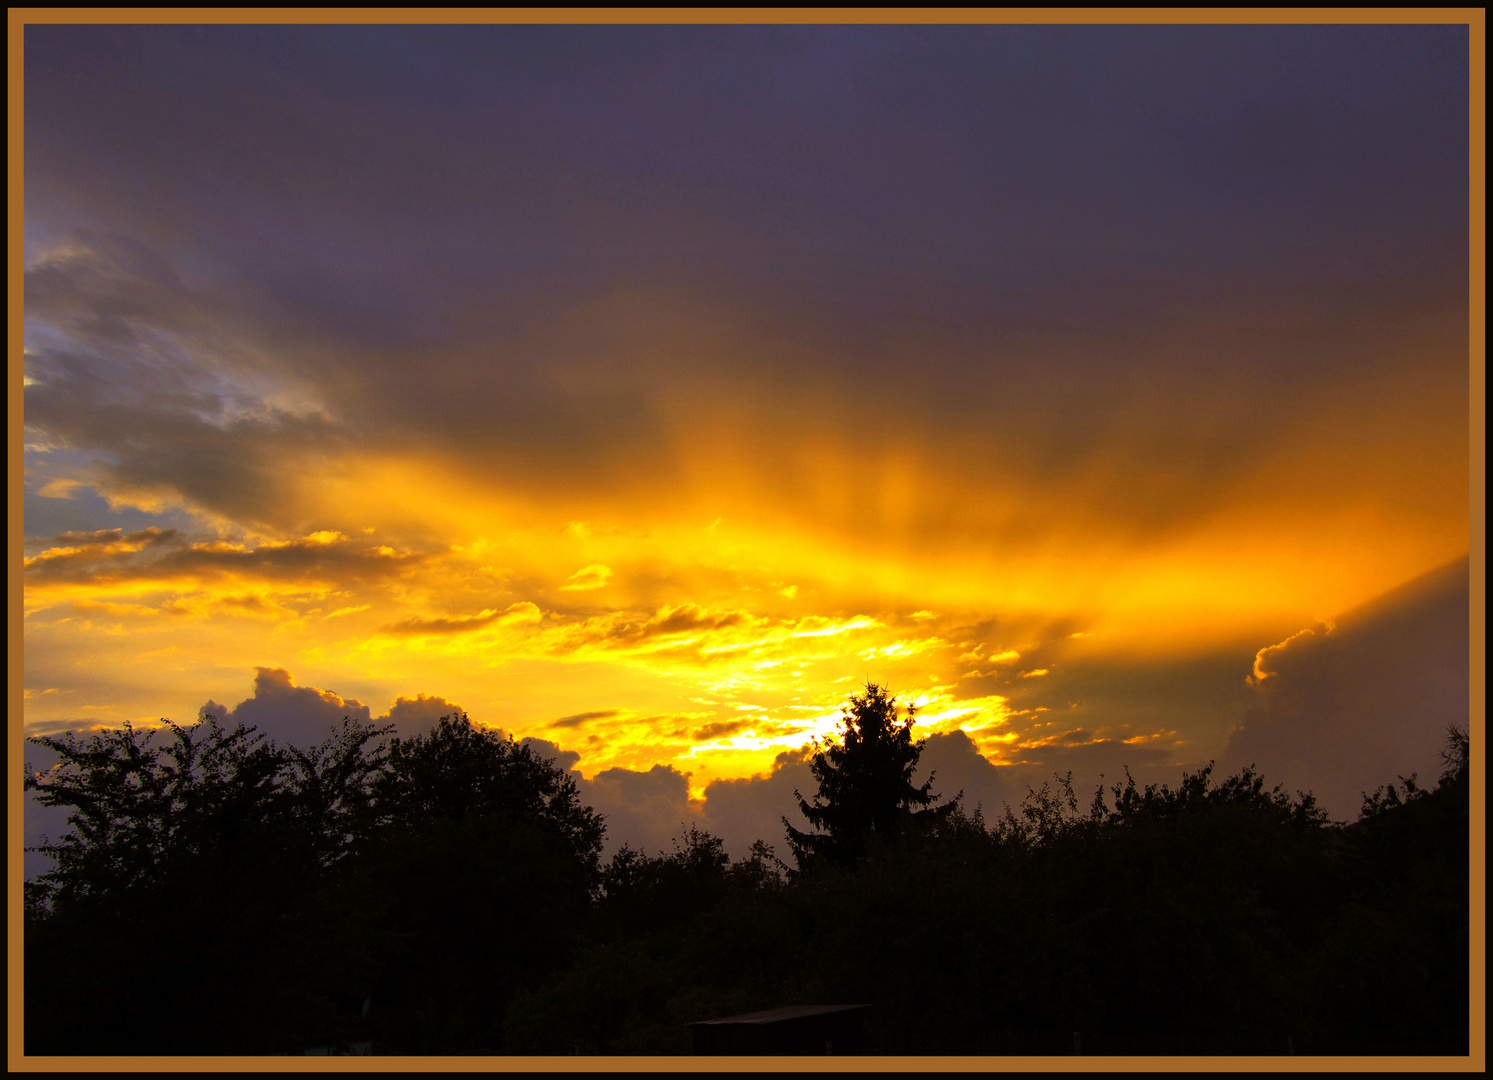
773 1016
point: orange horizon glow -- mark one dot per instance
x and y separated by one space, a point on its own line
712 643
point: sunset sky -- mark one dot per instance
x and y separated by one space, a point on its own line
647 390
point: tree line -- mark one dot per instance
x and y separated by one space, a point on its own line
445 894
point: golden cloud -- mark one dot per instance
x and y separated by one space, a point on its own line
595 576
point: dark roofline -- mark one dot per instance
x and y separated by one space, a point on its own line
773 1016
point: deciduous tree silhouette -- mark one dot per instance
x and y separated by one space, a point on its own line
459 771
865 783
198 868
285 887
485 866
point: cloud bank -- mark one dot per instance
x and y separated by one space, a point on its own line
1343 708
303 715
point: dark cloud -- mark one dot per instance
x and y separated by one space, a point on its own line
286 713
1091 763
744 811
164 386
578 719
81 509
1058 233
445 624
956 765
1340 710
106 539
111 555
103 282
722 727
1080 714
643 809
304 715
686 618
565 759
623 629
418 715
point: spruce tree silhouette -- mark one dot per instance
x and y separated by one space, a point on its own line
865 783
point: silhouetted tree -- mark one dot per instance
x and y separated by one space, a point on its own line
196 871
459 770
486 867
865 782
266 893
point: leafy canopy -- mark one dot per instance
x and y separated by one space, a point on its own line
289 886
459 770
146 804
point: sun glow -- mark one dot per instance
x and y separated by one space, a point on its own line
526 611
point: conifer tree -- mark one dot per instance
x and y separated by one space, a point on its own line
865 782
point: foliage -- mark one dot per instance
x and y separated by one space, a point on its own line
254 899
459 770
487 864
1389 797
284 888
1391 973
197 868
1213 917
630 991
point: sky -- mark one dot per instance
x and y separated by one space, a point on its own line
645 391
